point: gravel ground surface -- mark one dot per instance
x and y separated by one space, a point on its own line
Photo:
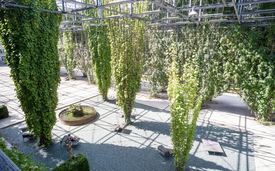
135 149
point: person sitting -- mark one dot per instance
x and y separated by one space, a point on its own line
72 138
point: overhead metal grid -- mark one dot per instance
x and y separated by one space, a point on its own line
173 12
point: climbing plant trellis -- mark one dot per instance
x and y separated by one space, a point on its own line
160 12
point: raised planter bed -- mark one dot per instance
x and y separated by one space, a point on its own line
68 118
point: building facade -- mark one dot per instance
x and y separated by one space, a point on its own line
2 54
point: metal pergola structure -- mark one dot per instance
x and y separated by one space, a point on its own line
175 14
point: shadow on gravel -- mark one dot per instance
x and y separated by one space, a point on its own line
156 127
236 144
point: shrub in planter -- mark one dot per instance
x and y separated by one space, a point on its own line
77 162
3 111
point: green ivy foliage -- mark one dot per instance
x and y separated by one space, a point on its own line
127 49
100 49
78 162
30 39
23 162
155 63
252 67
82 57
182 93
69 47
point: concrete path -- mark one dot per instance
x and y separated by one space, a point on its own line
229 110
69 92
136 147
226 110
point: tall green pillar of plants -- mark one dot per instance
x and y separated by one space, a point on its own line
30 38
69 46
182 93
100 49
127 47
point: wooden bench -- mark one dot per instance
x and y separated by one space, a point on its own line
28 135
164 151
65 139
76 142
23 127
117 128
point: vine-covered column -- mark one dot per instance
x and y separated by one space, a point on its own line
30 39
100 49
69 46
182 93
127 47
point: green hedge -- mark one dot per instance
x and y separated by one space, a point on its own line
3 111
76 163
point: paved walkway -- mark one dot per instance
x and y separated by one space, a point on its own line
227 110
136 148
69 92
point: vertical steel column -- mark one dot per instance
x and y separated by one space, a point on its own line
66 10
190 1
100 11
82 14
200 10
74 17
152 10
131 10
174 4
63 5
167 15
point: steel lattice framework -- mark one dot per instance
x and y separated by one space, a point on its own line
173 12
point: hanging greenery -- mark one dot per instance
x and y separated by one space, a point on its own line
252 67
69 46
127 49
30 39
155 63
127 44
182 93
100 49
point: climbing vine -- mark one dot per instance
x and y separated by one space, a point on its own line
251 51
100 49
155 63
30 39
69 46
182 91
127 51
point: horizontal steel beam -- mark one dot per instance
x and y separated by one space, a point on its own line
27 7
152 12
214 21
222 5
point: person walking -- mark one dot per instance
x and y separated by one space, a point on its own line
69 148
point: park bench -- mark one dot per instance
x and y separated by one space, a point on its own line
25 133
118 128
165 151
65 139
28 135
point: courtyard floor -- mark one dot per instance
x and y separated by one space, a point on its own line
247 144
